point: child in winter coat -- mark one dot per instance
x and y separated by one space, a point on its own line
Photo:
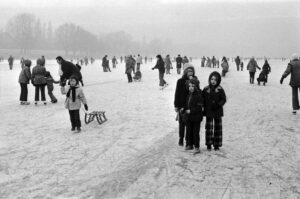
73 101
24 78
50 81
193 108
214 100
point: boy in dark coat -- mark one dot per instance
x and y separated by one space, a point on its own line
194 104
214 100
50 81
181 94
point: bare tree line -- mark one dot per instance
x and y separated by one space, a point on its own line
26 32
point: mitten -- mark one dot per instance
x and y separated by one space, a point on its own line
86 107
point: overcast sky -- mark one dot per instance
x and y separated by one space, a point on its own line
215 26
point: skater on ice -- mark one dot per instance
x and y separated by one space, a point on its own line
160 65
24 79
39 81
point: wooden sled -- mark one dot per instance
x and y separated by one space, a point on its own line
100 115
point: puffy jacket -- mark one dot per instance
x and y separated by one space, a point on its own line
252 65
25 75
38 75
160 65
79 97
293 68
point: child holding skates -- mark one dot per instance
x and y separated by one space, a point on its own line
73 101
214 100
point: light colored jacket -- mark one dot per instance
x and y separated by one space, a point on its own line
79 97
139 60
25 75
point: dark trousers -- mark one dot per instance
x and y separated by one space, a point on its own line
24 92
252 74
295 99
192 133
162 82
39 88
129 77
50 93
75 118
213 132
181 127
138 66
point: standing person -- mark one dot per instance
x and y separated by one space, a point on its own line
178 64
11 62
267 69
114 61
203 61
160 65
242 65
145 59
139 61
214 100
237 62
168 64
293 68
24 78
224 66
129 65
39 81
252 65
214 61
43 60
105 64
50 87
193 109
181 93
185 60
22 62
121 59
74 98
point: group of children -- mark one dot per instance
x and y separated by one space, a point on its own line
192 104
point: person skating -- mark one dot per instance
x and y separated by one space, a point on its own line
74 98
24 79
179 64
193 110
214 100
181 93
168 64
139 61
129 65
39 81
293 68
237 62
114 61
160 65
252 65
50 87
11 62
225 66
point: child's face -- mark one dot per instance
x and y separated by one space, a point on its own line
72 82
213 80
191 87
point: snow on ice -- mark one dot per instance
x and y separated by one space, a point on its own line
135 154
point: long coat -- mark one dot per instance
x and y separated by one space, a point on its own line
68 69
25 75
293 68
79 97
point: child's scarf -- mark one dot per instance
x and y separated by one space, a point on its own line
72 88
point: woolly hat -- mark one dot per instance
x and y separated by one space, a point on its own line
27 62
74 77
40 62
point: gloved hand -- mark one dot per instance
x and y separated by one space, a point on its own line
86 107
152 68
281 80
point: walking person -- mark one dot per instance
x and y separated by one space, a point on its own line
225 66
74 98
129 65
181 94
168 64
193 109
139 61
237 62
160 65
24 78
252 65
179 64
39 81
11 62
203 59
293 68
214 100
114 61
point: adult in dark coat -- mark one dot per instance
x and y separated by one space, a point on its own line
160 65
237 62
263 76
293 68
214 100
68 69
179 64
181 94
105 64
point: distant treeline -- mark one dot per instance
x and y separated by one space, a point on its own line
26 33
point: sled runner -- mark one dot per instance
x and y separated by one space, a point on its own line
100 115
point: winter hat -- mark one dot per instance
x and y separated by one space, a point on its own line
74 77
217 75
194 81
294 56
190 66
27 62
186 65
40 62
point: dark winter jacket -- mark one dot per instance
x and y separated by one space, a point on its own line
181 91
252 65
178 62
194 103
50 81
129 66
266 68
38 75
293 68
214 98
69 69
160 65
25 75
225 66
237 60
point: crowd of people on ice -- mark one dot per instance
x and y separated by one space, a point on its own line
191 103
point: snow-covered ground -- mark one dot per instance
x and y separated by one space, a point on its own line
135 153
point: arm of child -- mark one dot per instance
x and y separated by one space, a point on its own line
64 89
82 96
